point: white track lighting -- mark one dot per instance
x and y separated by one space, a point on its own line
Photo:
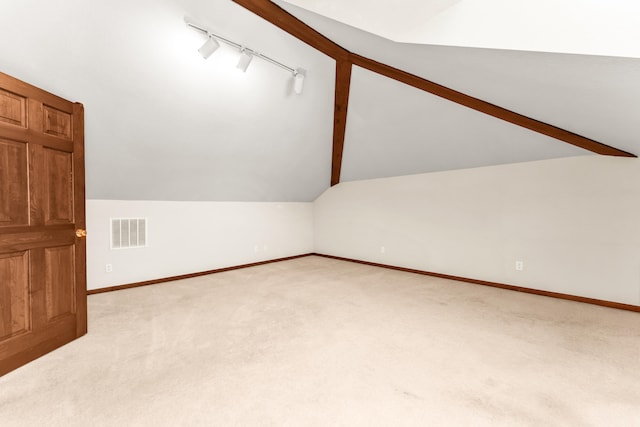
244 61
210 46
298 81
246 54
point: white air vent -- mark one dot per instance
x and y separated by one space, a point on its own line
128 233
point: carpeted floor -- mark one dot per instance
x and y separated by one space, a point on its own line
320 342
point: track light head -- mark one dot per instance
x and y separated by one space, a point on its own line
246 54
244 61
298 81
210 46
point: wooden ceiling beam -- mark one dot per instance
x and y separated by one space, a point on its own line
285 21
343 83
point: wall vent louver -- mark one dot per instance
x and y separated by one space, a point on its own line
128 233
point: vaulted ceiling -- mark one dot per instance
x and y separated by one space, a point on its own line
606 28
593 96
164 124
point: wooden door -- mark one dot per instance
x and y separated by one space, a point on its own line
42 261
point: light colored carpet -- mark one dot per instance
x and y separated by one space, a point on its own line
319 342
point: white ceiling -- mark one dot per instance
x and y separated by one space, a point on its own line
590 27
387 18
164 124
394 129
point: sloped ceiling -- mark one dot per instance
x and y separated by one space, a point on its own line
594 96
161 122
428 133
164 124
390 19
608 28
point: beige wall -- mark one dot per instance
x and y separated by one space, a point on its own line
573 222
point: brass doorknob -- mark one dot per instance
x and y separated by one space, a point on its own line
81 233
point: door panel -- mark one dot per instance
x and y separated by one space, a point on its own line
58 191
14 295
60 281
56 122
42 261
13 108
14 181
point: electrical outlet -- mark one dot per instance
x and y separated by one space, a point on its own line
265 248
382 249
256 248
108 268
519 265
